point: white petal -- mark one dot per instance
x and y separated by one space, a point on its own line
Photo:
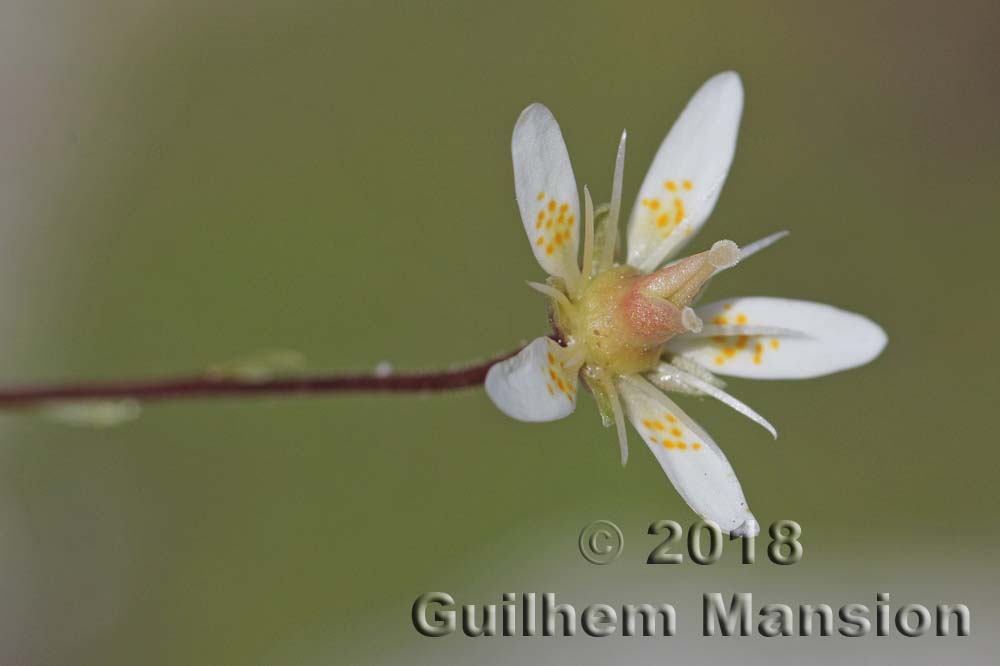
826 339
538 384
687 174
546 192
695 465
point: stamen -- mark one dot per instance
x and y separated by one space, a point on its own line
616 183
551 292
729 330
616 407
588 235
758 245
692 367
669 379
721 396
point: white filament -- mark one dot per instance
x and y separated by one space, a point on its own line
616 407
616 184
758 245
550 291
588 235
730 330
718 394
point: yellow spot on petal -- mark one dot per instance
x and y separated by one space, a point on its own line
541 196
570 220
563 208
741 342
681 445
647 423
676 432
671 418
552 374
729 351
549 249
719 360
657 425
562 386
552 359
758 348
687 184
667 443
540 241
551 392
653 440
775 343
757 359
670 185
552 205
696 446
662 220
720 320
741 319
678 211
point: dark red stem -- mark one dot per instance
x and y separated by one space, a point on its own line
200 386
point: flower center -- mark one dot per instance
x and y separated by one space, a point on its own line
623 317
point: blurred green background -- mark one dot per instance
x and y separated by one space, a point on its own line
183 183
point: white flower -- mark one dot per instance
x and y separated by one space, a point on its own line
629 331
